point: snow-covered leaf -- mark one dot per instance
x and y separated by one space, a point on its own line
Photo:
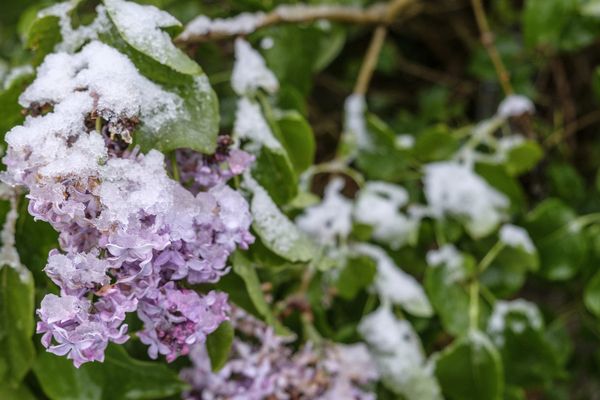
277 232
142 27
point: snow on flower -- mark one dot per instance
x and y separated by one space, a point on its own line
128 232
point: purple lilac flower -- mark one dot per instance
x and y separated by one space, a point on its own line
70 328
176 319
264 366
200 171
128 232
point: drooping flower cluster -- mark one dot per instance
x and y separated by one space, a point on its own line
263 366
128 231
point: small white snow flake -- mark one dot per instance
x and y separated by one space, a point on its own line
515 236
267 43
405 141
515 105
355 108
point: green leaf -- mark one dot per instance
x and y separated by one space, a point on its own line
298 139
527 355
34 253
471 369
544 19
247 271
514 393
382 160
591 8
18 393
497 177
435 144
146 34
555 23
566 183
549 216
274 171
218 345
42 36
197 124
447 291
562 248
16 324
299 51
591 295
357 274
195 127
10 110
523 157
276 231
120 377
507 273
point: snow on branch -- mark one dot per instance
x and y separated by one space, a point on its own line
203 28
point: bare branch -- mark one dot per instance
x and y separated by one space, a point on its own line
370 62
203 29
487 39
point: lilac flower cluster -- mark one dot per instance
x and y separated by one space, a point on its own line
263 366
200 171
128 232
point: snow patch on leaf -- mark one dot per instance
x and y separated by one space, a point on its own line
250 72
394 285
275 229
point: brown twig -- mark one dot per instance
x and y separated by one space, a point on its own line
370 61
487 39
372 56
376 14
